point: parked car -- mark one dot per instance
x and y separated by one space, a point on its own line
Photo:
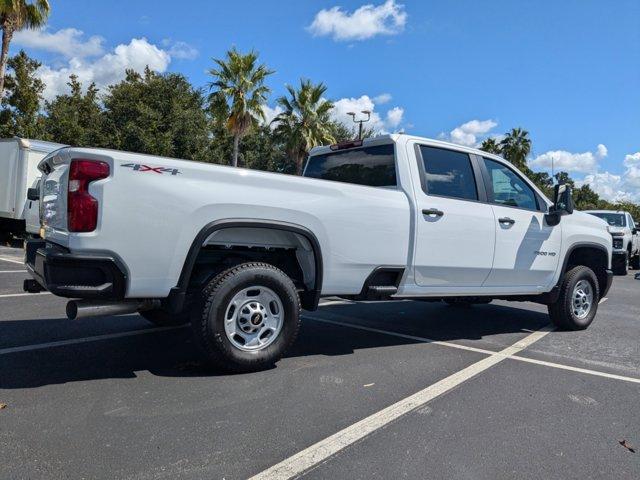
19 158
239 251
626 241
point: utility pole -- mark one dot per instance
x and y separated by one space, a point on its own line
360 122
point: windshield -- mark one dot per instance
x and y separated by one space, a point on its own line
613 219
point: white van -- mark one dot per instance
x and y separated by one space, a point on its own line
19 158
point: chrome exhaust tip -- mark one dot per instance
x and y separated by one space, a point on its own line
77 309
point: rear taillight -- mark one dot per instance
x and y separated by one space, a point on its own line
82 208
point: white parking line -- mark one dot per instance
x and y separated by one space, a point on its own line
603 299
321 451
560 366
10 260
8 295
12 271
74 341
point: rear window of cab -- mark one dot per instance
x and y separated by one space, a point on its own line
373 166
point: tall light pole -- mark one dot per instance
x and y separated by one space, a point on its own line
360 122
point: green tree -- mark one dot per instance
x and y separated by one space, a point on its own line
305 121
16 15
490 145
76 118
238 94
20 114
563 177
156 114
515 147
585 198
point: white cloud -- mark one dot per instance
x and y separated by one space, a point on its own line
107 69
365 22
470 133
382 98
394 116
625 187
390 122
180 50
271 113
570 162
68 42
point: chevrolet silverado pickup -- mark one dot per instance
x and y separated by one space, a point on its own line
237 252
626 239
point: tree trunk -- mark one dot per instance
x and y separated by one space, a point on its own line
299 164
7 34
236 148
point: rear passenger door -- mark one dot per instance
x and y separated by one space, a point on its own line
527 249
455 229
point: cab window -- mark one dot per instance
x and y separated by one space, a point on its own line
507 188
448 173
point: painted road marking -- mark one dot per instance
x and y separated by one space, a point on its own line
5 259
13 271
321 451
560 366
74 341
24 294
603 299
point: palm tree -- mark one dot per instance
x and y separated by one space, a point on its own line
239 94
305 121
16 15
490 145
516 146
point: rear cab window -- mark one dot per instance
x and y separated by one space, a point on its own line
373 166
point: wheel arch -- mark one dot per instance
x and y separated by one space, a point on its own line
177 296
592 255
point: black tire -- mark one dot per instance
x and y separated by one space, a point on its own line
162 318
635 262
620 264
562 312
208 320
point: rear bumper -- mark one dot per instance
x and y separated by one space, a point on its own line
71 275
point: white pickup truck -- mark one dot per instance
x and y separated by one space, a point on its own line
239 252
626 239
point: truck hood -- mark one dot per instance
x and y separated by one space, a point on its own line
616 230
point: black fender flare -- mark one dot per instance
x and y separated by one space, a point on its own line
177 296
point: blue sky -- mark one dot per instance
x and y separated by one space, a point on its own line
567 71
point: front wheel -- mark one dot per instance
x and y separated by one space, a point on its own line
249 316
577 303
635 261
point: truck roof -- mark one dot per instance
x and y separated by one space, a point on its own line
604 211
395 137
36 145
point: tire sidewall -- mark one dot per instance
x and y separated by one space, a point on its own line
282 286
588 275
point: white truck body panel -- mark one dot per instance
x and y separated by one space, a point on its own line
150 219
19 159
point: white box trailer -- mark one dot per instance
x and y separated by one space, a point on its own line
19 159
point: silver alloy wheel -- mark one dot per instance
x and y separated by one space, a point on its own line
254 318
582 299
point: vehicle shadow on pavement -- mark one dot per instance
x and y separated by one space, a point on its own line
172 353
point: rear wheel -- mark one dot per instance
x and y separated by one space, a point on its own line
248 317
577 303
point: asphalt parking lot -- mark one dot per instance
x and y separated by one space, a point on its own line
370 390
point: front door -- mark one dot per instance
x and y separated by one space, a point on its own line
455 231
527 249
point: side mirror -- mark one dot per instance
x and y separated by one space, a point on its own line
33 194
562 204
634 231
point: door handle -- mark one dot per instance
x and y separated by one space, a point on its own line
432 211
507 220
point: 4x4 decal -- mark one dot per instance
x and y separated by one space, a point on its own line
138 167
